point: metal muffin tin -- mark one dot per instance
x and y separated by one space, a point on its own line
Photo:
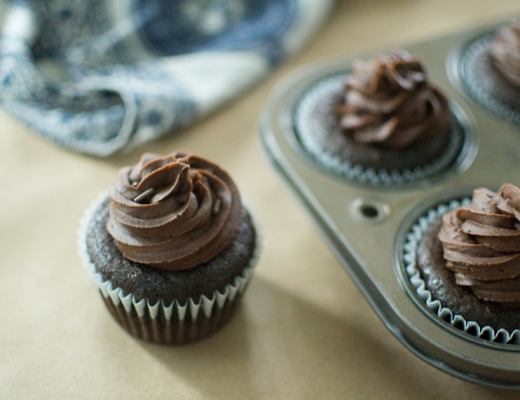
365 226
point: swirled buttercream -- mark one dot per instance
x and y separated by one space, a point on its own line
481 244
173 212
505 52
389 101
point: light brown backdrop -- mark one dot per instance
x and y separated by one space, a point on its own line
303 331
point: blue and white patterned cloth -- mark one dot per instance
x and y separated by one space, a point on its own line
99 76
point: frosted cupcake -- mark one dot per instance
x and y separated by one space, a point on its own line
464 260
491 71
171 248
381 123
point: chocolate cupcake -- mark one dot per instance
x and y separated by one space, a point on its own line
382 122
490 69
171 248
463 258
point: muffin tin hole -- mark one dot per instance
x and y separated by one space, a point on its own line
369 210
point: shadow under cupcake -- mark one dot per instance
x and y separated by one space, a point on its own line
382 123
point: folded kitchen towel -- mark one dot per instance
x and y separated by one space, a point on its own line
99 76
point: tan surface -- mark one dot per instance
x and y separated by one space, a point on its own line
303 331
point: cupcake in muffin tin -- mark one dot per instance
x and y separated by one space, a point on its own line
490 70
463 259
382 123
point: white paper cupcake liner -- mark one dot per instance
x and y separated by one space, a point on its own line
172 323
481 89
410 247
307 128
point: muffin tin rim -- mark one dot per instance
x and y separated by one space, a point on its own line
424 338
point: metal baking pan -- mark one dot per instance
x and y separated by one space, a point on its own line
355 219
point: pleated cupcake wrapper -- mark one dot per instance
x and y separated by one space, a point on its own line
479 89
117 301
306 128
413 239
142 307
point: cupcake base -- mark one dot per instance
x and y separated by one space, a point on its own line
184 325
436 289
318 131
486 84
167 307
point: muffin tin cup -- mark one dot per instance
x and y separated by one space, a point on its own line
482 90
169 324
367 226
306 129
410 271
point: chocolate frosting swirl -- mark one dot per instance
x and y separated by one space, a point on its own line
173 212
505 52
481 244
389 101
